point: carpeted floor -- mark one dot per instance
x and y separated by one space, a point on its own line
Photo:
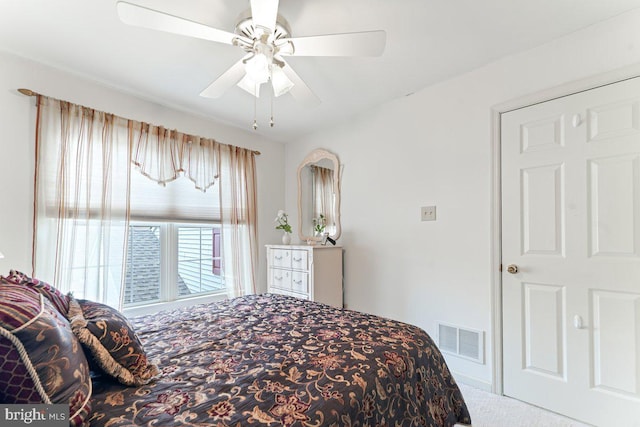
491 410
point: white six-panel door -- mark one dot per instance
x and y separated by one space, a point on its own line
571 227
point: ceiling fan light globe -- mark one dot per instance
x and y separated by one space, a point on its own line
257 68
280 82
250 86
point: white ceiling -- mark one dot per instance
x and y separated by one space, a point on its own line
427 41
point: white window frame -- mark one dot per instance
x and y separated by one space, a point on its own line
169 298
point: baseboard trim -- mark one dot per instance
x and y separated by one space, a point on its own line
473 382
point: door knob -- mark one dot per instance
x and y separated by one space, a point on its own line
512 268
577 322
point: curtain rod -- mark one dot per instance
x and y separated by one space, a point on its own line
29 92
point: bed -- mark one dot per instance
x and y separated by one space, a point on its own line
259 360
271 360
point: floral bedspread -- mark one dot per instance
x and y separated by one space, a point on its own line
271 360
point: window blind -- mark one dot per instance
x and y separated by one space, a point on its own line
177 201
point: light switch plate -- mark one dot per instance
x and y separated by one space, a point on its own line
428 213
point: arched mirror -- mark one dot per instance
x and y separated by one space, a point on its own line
319 196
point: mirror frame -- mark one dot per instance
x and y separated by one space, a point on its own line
314 157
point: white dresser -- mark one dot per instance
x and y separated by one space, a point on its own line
309 272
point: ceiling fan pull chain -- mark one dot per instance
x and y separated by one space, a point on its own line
271 121
255 110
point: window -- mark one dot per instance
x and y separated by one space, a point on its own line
97 174
198 261
168 261
143 272
173 250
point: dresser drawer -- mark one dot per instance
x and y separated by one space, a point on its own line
300 260
289 293
280 279
300 282
310 272
280 258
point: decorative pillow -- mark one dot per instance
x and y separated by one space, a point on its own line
57 298
41 360
115 346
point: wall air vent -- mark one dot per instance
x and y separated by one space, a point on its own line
465 343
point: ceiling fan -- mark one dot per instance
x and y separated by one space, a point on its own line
266 38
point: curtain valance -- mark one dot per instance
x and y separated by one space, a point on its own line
161 154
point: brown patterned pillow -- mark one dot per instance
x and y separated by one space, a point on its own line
57 298
112 341
41 360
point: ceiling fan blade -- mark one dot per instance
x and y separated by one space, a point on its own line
366 43
229 78
300 91
140 16
264 14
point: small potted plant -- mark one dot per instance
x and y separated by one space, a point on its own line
283 224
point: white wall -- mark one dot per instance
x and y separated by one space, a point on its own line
435 148
17 125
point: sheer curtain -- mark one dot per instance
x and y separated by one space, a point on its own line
324 196
239 219
84 162
81 200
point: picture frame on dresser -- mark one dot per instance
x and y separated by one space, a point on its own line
310 272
